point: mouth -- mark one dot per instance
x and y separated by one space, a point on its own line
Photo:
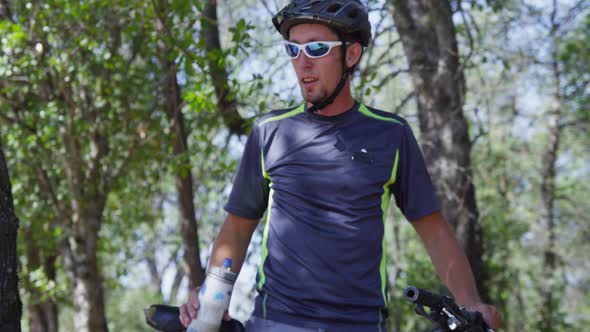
308 81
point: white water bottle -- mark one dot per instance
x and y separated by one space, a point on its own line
214 297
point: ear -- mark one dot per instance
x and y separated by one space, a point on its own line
353 54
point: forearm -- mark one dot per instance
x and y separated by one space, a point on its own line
449 259
232 241
453 268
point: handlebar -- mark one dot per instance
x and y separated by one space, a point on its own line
422 297
444 312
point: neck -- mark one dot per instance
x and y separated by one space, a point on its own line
341 104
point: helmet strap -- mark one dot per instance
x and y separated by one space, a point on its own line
316 107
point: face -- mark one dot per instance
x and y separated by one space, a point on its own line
317 77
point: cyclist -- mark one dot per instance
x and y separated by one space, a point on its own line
324 172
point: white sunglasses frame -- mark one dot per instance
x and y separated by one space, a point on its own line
301 47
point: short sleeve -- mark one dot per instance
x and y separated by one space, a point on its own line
249 195
413 190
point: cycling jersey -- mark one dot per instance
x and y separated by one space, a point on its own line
326 183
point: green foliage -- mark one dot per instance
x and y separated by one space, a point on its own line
409 265
575 56
93 69
82 86
508 160
126 310
241 36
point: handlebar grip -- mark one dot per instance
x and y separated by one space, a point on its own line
476 318
165 318
422 297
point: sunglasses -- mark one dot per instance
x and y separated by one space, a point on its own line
313 50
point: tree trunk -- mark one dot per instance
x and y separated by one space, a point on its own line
88 198
43 312
184 183
225 98
184 178
178 276
10 303
428 35
81 263
43 317
550 303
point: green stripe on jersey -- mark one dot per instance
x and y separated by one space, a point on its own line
364 110
289 114
385 199
264 242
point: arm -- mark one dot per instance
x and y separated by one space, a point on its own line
452 265
448 257
232 241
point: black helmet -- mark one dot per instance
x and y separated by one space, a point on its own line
348 17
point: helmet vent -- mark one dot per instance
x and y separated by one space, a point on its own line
310 5
353 13
334 8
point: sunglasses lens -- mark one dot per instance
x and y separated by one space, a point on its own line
317 49
292 50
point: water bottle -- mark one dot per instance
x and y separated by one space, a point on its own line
214 297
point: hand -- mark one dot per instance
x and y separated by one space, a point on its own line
188 311
489 313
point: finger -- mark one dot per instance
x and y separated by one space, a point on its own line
192 309
497 320
226 316
184 316
492 318
193 303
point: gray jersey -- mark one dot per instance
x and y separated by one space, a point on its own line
327 182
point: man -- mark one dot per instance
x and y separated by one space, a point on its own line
324 173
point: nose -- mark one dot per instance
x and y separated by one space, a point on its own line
303 60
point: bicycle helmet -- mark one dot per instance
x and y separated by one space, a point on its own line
348 17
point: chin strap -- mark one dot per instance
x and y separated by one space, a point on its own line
316 107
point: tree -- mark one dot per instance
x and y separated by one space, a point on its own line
530 159
215 58
184 177
429 39
10 303
560 20
41 262
86 121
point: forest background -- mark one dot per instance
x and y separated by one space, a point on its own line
122 123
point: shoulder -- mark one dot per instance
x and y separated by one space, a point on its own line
277 115
380 115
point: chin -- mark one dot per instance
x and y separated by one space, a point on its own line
314 98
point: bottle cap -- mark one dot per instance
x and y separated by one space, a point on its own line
226 263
